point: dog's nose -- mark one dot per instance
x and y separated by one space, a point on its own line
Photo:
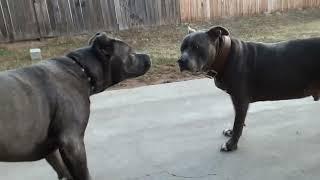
146 59
147 64
182 64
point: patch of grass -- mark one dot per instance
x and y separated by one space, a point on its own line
7 65
5 53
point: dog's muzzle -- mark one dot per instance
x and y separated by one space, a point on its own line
182 64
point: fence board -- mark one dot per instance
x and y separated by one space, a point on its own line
109 14
22 21
3 24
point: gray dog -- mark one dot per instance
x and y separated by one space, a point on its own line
251 72
45 107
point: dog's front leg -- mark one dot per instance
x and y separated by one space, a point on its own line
73 154
240 105
55 160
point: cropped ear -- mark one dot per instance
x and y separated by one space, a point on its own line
102 43
191 30
217 31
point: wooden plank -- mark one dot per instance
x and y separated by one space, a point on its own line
68 9
170 5
183 10
3 25
112 20
263 5
39 18
54 16
150 12
177 12
76 16
163 11
108 14
11 27
86 10
97 16
81 3
140 13
120 16
158 12
65 22
42 18
22 20
46 17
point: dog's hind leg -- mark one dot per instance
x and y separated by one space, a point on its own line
55 160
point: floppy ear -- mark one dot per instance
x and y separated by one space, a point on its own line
102 43
190 30
217 31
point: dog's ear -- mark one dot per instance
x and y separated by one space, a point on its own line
101 42
191 30
217 31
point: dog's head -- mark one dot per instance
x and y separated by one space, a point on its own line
110 61
200 47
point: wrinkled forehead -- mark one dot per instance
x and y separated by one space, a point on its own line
196 39
121 48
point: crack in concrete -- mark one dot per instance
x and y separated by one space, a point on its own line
175 175
189 177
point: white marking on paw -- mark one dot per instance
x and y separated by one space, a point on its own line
224 147
227 132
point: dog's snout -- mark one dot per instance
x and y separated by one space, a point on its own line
182 62
146 59
147 63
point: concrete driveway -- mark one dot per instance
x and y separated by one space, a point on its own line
173 132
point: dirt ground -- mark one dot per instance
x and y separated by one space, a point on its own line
163 43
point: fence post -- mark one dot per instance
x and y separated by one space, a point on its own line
37 19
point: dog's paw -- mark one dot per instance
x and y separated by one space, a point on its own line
65 178
228 146
227 132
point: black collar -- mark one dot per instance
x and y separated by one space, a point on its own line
85 70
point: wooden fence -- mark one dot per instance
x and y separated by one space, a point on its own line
195 10
33 19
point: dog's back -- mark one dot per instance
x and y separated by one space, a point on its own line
283 70
28 96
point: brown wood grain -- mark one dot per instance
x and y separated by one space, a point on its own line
31 19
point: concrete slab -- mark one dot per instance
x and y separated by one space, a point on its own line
173 131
